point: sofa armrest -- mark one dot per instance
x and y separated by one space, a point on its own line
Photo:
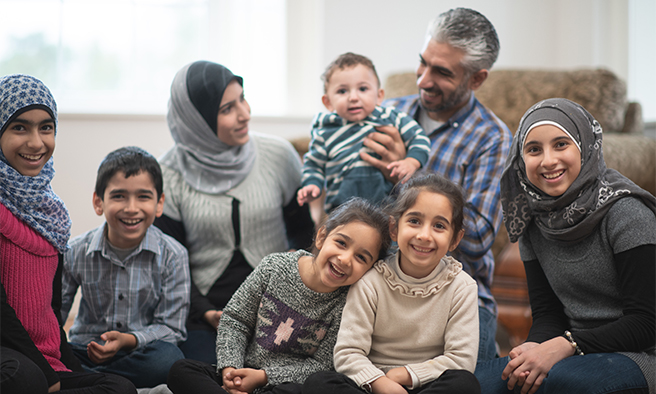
633 123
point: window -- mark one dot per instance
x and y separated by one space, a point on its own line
642 57
120 56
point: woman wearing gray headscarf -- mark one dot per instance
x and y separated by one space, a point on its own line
229 194
587 236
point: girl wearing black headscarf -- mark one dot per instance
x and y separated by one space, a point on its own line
587 236
229 194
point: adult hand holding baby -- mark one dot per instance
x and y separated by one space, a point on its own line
388 144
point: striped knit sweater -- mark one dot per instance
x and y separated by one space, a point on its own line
271 185
334 159
29 264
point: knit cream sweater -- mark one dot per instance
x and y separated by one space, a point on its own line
428 325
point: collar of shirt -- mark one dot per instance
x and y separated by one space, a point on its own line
456 119
100 244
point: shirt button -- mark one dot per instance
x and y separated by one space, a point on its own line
119 325
120 297
455 124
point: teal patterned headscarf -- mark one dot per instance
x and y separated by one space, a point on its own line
31 198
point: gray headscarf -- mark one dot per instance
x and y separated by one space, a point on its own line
573 215
205 162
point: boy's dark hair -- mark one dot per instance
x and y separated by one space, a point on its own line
346 60
357 209
131 160
433 183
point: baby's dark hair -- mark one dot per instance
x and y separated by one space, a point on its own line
131 160
433 183
360 210
345 60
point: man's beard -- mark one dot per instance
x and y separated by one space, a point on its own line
457 97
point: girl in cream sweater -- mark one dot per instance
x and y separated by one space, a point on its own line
411 323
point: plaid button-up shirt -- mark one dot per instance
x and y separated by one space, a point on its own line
147 295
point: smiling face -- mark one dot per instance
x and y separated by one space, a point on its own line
552 159
29 141
345 255
443 85
233 117
425 234
130 206
353 93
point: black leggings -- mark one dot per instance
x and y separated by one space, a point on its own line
450 382
190 377
20 375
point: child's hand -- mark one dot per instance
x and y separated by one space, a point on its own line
212 317
231 381
243 380
386 385
308 194
114 341
400 375
403 169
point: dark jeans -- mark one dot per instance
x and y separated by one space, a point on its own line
18 374
596 373
487 345
450 382
191 377
200 346
146 366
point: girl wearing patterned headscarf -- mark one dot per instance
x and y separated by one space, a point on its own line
229 194
587 236
34 231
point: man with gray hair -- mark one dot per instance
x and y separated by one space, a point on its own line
469 144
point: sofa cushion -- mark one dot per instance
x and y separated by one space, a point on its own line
509 93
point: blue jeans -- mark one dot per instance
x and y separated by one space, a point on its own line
147 366
487 345
596 373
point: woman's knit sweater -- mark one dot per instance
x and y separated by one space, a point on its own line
207 218
29 264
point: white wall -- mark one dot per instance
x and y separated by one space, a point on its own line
84 140
557 34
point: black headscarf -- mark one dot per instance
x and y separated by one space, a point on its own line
206 82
